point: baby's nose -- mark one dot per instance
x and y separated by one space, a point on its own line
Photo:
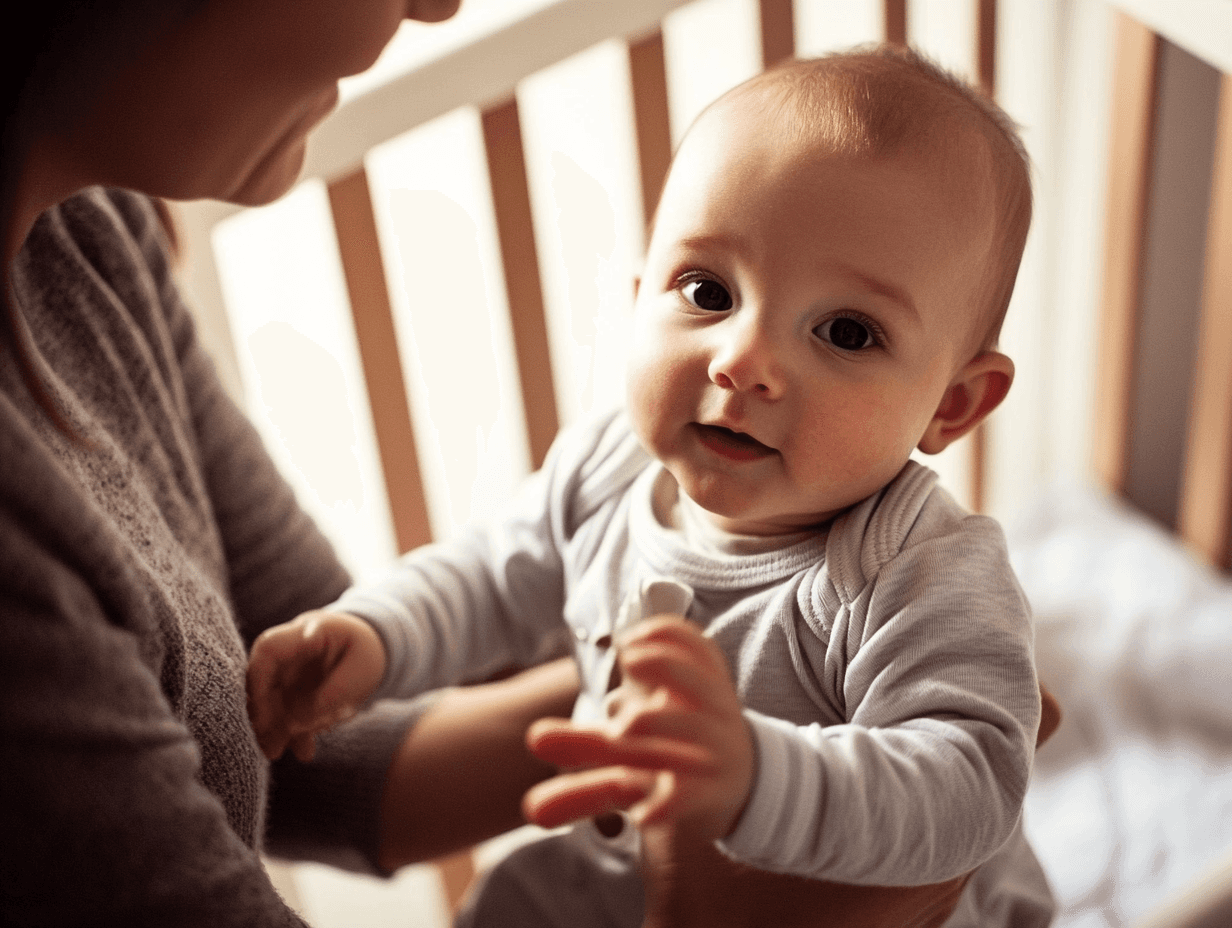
747 361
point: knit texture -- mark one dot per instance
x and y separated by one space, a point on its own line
141 551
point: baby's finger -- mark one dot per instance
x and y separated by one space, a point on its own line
674 631
585 747
572 796
665 802
653 665
558 742
261 685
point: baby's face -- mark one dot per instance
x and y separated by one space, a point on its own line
800 317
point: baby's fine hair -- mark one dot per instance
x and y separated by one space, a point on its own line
888 100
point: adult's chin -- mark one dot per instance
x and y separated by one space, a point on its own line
281 165
433 11
272 177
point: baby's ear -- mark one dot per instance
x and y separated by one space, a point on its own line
975 391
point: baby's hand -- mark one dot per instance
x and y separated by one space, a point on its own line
309 674
675 749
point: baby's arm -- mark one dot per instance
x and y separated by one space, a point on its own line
676 747
934 674
933 670
309 674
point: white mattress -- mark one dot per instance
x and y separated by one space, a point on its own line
1132 798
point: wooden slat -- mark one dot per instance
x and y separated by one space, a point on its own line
502 138
986 71
986 46
355 225
456 873
1205 519
1129 170
778 32
894 21
648 83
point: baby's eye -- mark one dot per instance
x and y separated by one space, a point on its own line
846 333
707 294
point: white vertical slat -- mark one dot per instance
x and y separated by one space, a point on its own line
581 161
1018 434
836 25
1074 183
202 287
434 211
711 46
303 381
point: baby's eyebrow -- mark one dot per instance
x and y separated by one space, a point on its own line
886 289
713 241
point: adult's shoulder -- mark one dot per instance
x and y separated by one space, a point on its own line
110 212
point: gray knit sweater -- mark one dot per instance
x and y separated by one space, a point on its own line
138 558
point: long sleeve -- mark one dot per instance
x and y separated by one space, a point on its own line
494 597
931 657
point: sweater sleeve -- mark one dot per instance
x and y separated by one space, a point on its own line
933 661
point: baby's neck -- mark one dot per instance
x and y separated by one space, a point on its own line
677 511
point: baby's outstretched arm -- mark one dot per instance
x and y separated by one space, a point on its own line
676 747
309 674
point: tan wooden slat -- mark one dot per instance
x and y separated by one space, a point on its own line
355 226
1205 519
986 46
1129 170
502 138
986 71
648 83
778 32
894 21
456 873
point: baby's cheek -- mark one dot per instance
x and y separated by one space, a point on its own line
647 396
859 443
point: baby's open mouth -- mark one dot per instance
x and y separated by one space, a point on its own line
737 445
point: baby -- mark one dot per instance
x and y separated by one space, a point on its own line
789 636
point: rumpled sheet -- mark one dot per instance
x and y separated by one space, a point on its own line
1132 798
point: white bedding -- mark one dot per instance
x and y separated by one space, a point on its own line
1132 798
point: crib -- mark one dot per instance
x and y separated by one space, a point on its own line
402 397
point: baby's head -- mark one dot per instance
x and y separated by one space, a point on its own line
830 263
